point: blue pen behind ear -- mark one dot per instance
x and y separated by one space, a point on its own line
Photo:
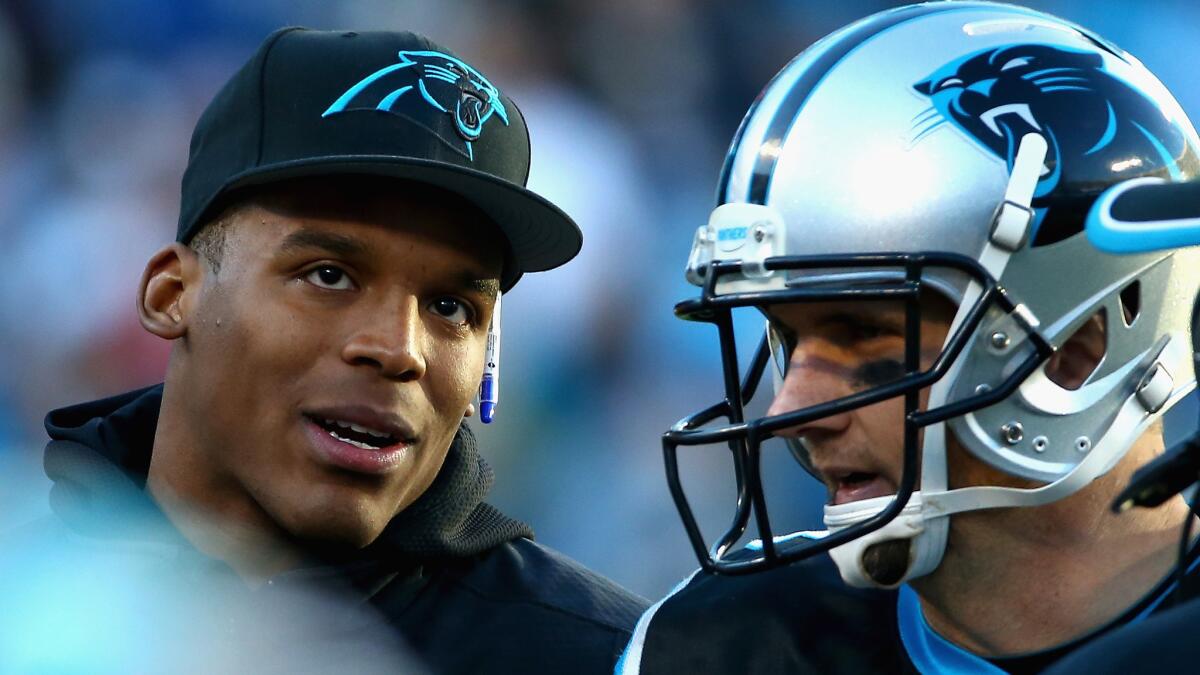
1145 214
489 388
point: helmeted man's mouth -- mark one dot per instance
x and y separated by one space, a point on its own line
852 485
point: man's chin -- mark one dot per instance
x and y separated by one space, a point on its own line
342 523
336 534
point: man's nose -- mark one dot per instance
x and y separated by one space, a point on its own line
391 341
812 379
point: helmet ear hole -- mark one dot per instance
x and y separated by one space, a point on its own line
1131 302
1075 361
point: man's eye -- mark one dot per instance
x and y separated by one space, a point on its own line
453 310
331 277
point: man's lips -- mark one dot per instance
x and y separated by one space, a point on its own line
364 419
358 439
850 485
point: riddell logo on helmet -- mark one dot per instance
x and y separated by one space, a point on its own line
730 239
445 84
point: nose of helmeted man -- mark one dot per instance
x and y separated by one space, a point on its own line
811 381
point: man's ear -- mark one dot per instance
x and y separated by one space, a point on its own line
168 291
1080 355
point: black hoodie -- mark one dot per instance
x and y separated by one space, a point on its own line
464 584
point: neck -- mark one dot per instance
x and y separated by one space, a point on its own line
209 508
1023 580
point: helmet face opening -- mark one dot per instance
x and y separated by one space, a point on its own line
725 423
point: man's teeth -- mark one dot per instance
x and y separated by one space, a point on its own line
361 430
353 442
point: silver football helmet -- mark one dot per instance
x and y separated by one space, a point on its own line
955 146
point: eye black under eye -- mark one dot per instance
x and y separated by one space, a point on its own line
868 331
881 371
848 331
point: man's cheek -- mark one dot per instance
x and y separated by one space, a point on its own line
285 343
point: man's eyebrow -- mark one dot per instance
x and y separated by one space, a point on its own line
490 287
874 320
338 244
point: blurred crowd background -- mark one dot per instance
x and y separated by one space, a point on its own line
631 105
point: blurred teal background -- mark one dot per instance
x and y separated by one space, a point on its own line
631 105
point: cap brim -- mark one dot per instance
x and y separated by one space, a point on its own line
540 234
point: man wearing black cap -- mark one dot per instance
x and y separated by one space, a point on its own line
352 209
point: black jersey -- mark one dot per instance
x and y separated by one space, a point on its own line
803 619
1163 643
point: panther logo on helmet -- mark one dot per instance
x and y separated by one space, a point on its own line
998 95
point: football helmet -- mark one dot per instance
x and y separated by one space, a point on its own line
953 147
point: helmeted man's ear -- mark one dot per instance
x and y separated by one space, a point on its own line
1071 365
167 293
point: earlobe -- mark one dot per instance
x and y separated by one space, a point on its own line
169 283
470 410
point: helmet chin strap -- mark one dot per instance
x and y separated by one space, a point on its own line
923 522
926 539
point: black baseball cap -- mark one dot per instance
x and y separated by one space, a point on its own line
312 103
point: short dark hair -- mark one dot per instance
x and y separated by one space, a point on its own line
209 242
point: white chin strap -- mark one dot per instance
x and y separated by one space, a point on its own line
926 537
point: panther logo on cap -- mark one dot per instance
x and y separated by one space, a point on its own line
443 82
